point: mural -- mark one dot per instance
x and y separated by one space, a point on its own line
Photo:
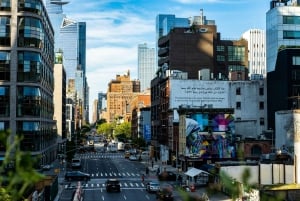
208 135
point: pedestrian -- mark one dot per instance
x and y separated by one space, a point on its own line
143 177
152 163
147 170
158 171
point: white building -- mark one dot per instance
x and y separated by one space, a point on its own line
257 53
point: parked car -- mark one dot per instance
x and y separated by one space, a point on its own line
167 176
152 186
112 185
164 194
76 163
77 176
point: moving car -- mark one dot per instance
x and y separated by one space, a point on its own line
164 194
167 176
152 186
112 185
127 154
133 158
77 176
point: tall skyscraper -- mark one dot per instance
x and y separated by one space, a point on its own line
282 28
27 81
256 53
70 39
146 65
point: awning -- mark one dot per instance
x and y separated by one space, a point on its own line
194 172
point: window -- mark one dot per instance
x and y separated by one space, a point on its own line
5 5
220 58
262 121
33 6
295 75
236 53
28 101
238 91
291 34
238 105
261 105
4 101
220 48
31 32
4 31
291 19
29 66
261 91
296 60
4 65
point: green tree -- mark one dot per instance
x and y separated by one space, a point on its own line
17 170
106 129
123 128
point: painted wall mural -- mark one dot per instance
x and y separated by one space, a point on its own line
208 135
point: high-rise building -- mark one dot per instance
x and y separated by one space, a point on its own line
146 65
27 81
256 53
70 39
283 47
282 28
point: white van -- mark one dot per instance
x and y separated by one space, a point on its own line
111 147
145 155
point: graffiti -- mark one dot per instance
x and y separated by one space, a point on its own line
207 135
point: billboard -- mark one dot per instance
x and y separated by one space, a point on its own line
209 135
199 93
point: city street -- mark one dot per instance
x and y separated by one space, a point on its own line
102 165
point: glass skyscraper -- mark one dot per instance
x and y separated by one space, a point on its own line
70 39
27 81
146 65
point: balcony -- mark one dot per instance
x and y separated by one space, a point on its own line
163 41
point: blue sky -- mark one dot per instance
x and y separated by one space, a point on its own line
115 28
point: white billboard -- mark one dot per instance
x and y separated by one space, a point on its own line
199 93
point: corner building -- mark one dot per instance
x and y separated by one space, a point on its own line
26 78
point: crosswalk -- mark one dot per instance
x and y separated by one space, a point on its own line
100 155
101 185
115 174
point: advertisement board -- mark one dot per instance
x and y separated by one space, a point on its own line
199 93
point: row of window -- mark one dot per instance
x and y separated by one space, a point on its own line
31 101
239 92
238 105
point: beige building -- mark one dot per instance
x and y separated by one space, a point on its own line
119 95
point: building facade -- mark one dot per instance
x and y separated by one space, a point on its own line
146 65
27 81
140 122
59 98
257 53
119 95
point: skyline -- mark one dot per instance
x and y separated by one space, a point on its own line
116 28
